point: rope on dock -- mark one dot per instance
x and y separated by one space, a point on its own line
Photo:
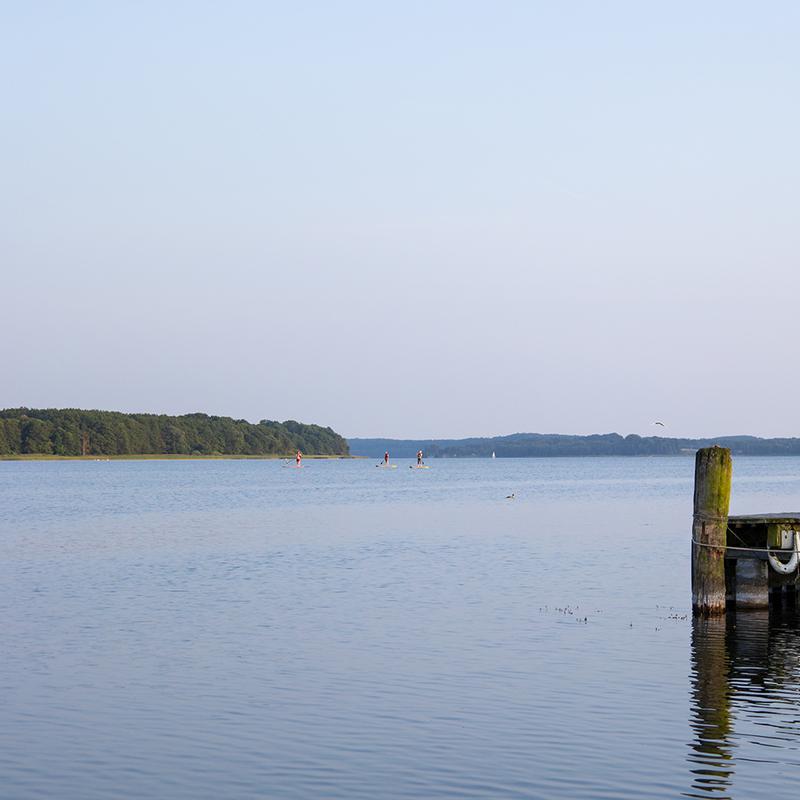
703 517
745 549
721 546
783 568
729 547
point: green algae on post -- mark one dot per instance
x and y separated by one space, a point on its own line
712 493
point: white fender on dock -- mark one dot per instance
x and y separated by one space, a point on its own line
791 565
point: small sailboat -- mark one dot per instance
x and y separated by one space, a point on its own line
493 455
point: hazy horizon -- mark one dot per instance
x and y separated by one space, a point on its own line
437 220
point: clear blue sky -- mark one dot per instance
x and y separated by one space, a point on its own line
408 219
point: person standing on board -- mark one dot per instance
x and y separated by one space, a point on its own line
386 458
298 458
419 458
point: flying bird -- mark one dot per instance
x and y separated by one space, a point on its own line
660 423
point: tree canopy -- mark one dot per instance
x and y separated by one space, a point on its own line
75 432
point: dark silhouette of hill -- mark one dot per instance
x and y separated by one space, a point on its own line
533 445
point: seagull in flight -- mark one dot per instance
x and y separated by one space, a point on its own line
660 423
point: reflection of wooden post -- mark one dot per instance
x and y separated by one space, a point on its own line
712 494
710 708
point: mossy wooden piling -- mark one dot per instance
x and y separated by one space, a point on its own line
712 493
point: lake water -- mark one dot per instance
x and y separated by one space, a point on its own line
236 629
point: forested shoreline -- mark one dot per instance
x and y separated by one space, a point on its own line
76 432
544 445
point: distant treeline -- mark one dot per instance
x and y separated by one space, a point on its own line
73 432
543 445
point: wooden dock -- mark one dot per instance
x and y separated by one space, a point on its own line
750 580
745 562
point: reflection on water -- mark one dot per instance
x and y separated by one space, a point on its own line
745 691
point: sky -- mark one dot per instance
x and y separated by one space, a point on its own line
416 219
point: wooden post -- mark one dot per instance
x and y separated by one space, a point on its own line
712 494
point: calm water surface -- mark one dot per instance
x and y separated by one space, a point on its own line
237 629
